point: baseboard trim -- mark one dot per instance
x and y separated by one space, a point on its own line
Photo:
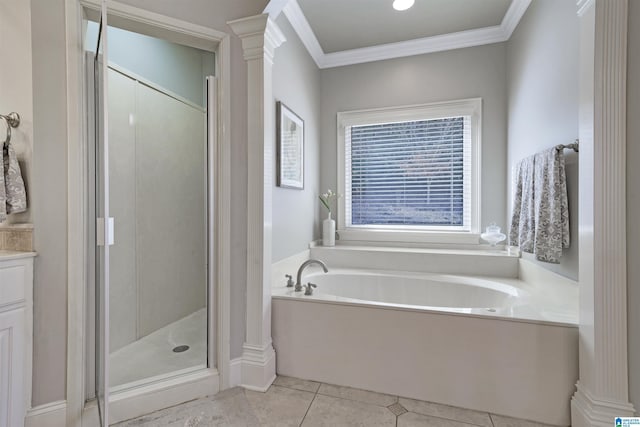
52 414
587 410
235 372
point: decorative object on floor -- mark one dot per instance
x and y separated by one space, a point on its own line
492 235
540 217
328 225
290 148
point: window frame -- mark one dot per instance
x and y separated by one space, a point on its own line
411 234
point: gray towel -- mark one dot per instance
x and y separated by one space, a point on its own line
14 192
522 231
540 220
551 206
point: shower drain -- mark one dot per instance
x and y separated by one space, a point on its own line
180 348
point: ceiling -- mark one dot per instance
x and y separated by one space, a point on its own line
351 24
344 32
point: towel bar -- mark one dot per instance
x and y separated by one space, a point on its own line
573 146
13 121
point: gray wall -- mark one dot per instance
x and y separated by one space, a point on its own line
177 68
633 200
50 175
296 82
49 195
542 63
463 73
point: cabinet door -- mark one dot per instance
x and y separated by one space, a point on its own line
12 391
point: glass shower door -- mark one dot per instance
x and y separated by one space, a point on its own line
104 224
152 162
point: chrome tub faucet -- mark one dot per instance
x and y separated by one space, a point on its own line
304 265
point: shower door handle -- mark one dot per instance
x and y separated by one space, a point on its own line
104 231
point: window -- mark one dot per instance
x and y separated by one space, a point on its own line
410 173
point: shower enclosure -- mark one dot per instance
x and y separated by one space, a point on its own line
150 137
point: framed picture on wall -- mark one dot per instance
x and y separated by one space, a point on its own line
289 148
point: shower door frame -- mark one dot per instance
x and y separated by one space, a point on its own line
152 396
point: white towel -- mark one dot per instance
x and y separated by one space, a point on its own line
540 217
14 192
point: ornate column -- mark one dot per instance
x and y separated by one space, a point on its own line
602 391
260 37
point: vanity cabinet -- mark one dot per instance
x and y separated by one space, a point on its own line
16 320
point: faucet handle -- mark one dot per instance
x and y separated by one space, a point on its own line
289 281
308 288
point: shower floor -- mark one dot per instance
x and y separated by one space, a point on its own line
153 354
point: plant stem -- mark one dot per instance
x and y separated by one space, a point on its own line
324 203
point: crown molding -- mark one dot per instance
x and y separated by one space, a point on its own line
274 8
301 26
513 16
458 40
413 47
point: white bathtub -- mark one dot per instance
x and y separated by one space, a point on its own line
462 294
501 344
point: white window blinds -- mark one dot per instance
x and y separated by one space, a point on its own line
411 174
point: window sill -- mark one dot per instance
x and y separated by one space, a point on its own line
411 237
370 248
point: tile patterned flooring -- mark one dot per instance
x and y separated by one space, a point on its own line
295 402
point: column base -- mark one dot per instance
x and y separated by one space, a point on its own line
587 410
258 367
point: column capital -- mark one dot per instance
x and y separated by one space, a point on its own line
260 36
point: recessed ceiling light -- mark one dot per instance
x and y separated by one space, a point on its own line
402 4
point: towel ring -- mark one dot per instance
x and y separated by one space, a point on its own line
13 121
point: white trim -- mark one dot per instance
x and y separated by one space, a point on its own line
156 25
274 8
77 216
260 37
235 372
457 40
52 414
258 369
422 46
180 32
300 24
223 64
471 107
603 390
586 410
513 16
128 404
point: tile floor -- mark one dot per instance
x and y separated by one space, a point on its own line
296 402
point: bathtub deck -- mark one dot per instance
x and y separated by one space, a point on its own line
296 402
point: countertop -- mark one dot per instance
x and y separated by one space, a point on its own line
10 255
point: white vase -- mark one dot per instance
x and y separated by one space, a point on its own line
328 231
